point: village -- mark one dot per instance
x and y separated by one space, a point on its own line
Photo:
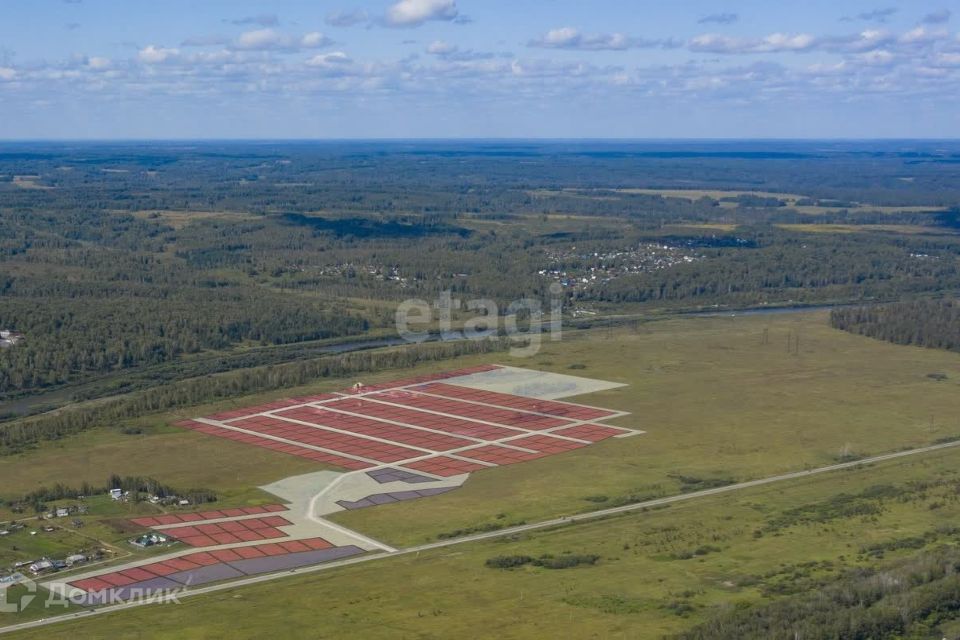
87 550
578 269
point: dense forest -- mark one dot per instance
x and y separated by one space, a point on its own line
923 323
130 265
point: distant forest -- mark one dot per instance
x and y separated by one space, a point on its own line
922 323
130 264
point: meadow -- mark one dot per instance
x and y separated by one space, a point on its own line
722 398
657 572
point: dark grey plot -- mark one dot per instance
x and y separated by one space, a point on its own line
293 560
202 575
390 474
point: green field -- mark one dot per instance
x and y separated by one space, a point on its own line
722 398
659 571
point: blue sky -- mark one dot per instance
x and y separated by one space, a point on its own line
478 68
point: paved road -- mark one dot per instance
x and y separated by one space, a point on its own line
593 515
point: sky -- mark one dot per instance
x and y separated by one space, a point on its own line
334 69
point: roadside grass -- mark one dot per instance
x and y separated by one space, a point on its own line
658 572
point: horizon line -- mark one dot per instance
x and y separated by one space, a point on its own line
479 139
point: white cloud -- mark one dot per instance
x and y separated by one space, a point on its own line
921 35
7 73
413 13
152 54
271 39
570 38
262 39
441 48
98 63
453 53
773 43
315 40
867 40
332 59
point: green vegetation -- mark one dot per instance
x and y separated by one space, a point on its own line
14 437
146 264
641 586
923 323
154 283
721 399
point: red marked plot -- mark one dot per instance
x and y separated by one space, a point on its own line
225 538
317 543
276 521
590 432
179 564
248 536
199 541
272 549
444 467
203 559
327 439
117 579
294 546
160 569
248 552
91 585
232 526
182 532
226 555
551 407
138 574
190 517
207 529
546 444
500 416
375 428
145 522
499 455
303 452
457 426
269 533
167 519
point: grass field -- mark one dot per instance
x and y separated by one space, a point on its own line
908 229
658 571
721 399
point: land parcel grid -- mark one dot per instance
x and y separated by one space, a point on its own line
428 424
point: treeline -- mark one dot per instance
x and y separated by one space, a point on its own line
67 339
922 323
908 600
18 435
